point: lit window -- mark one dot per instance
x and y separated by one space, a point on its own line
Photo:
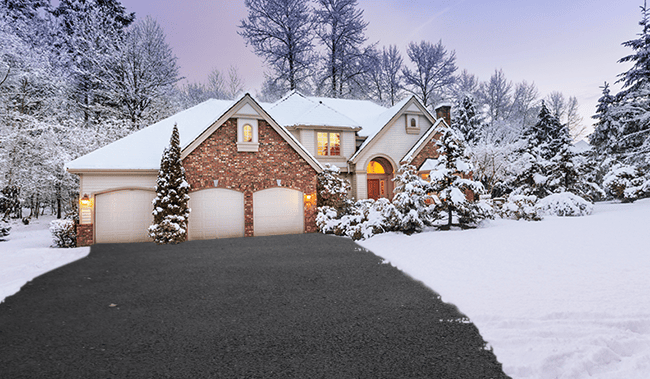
248 133
375 167
328 143
425 176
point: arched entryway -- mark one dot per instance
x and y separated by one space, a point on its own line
380 175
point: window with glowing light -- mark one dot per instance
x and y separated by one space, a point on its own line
328 143
375 167
248 133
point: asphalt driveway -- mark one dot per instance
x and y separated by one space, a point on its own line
303 306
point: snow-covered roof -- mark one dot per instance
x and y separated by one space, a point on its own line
428 165
297 109
142 150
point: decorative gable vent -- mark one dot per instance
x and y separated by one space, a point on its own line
412 123
247 135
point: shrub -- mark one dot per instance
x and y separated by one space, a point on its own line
519 207
63 233
565 204
625 183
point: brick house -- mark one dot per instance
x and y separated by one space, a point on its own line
252 167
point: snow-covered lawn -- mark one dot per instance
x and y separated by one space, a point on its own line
560 298
26 254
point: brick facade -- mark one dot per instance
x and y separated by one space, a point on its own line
430 150
217 158
85 234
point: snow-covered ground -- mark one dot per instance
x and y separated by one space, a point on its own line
26 254
560 298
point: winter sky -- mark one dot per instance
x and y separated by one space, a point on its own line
570 46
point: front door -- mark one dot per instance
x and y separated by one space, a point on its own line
373 189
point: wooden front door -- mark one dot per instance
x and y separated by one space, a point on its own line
373 189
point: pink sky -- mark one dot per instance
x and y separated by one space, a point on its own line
570 46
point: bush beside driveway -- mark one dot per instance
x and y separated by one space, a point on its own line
298 306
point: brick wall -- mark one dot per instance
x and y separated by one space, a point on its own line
430 150
217 158
84 234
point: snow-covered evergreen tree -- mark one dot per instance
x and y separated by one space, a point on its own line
332 189
605 135
5 229
467 121
170 211
450 179
412 201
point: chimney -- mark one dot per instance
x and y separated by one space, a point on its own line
444 111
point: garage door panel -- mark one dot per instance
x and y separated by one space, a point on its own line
278 211
216 213
123 216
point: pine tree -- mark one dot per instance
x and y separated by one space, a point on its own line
411 200
170 209
605 135
467 121
450 179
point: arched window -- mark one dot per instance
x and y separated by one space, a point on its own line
375 167
248 133
414 123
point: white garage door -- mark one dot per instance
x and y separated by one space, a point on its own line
278 211
216 213
123 216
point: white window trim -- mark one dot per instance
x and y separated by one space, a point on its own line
412 129
316 131
247 146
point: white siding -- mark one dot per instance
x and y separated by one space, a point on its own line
308 140
91 184
348 140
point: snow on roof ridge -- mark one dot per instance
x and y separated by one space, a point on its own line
390 111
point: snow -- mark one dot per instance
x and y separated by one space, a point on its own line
566 297
26 254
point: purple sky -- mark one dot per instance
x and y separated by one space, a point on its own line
570 46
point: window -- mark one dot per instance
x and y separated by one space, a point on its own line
414 123
248 133
375 167
329 143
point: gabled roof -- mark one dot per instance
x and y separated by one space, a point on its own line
143 149
422 142
386 118
296 109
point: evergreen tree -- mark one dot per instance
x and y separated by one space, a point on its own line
605 135
411 200
170 211
467 121
451 179
332 189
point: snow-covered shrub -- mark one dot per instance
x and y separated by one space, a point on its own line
625 183
63 233
5 228
332 189
362 220
519 207
170 210
564 204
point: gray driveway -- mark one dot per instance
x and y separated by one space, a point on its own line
302 306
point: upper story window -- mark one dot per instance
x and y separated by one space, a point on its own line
329 143
247 135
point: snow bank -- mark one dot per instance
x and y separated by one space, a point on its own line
26 254
566 297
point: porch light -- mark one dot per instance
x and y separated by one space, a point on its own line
279 181
86 202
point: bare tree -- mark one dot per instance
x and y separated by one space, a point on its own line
341 29
567 112
235 83
281 32
434 70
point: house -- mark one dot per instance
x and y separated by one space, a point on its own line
252 167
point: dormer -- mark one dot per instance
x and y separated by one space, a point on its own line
412 115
